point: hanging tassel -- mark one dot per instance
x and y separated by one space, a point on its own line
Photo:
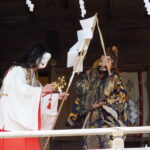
49 102
49 105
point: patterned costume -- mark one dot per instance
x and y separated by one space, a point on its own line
98 87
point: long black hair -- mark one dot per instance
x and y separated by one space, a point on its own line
35 52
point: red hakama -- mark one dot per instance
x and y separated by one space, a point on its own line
21 143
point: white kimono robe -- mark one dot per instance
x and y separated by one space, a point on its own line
19 102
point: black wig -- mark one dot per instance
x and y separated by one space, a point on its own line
35 52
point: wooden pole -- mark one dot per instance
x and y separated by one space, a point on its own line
102 43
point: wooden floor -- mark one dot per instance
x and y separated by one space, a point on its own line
130 142
66 144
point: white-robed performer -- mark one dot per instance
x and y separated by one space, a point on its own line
21 97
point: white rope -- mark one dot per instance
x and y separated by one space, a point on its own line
82 7
147 6
30 5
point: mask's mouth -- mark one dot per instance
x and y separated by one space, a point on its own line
103 68
42 64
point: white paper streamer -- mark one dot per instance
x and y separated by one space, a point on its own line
30 5
82 7
147 6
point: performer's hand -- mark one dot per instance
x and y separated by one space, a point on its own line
97 105
48 88
94 106
63 96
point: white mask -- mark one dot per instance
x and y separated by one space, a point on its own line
44 60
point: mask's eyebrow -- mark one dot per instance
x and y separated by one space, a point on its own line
109 58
